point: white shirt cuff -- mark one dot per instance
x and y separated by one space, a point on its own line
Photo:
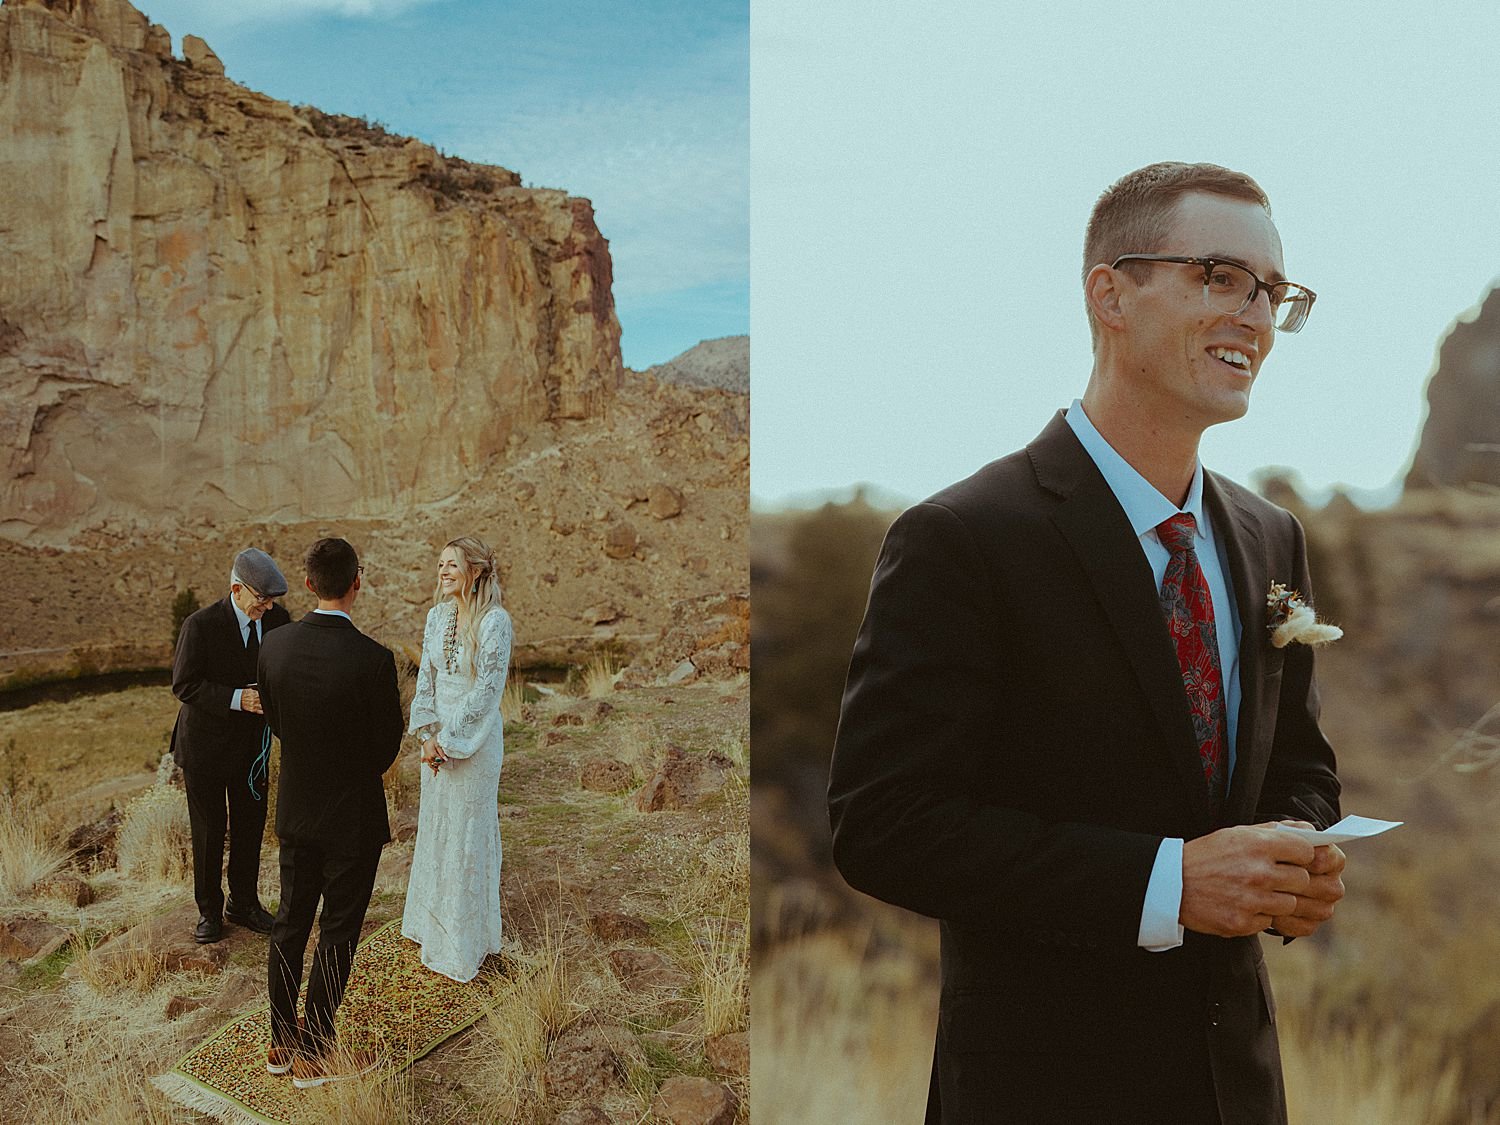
234 703
1160 929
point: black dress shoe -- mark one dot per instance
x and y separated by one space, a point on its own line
257 918
209 930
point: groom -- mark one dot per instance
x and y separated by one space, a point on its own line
1064 726
330 695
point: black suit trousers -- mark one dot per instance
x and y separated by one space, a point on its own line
343 882
220 800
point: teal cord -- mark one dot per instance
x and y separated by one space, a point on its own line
262 763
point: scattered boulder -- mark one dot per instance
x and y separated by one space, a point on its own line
583 1065
93 845
166 938
729 1054
606 775
695 1101
608 925
404 823
21 939
640 969
554 737
684 780
200 55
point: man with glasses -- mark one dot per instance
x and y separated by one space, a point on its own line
221 742
1065 732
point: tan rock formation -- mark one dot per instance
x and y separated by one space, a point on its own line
1461 437
217 307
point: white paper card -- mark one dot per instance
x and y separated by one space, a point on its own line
1350 828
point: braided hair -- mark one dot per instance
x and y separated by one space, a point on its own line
477 596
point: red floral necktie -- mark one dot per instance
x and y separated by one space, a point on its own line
1190 619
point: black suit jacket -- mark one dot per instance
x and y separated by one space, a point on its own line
1015 743
330 695
209 665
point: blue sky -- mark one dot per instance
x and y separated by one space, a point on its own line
923 174
642 107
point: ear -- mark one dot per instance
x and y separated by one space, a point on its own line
1102 291
308 583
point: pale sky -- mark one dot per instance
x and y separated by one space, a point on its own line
642 108
922 174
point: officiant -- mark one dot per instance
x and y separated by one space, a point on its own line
221 741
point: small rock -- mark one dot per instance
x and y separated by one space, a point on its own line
620 541
200 55
729 1054
587 1115
602 614
645 968
66 888
663 502
525 490
695 1101
606 775
608 925
582 1064
682 673
554 737
404 823
182 1005
581 714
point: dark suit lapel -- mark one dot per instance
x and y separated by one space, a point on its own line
1094 524
1249 573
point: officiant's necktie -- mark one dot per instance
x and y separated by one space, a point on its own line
1190 620
252 648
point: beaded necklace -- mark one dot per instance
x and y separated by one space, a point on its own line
450 642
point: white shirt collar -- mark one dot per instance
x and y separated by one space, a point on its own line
1144 506
336 613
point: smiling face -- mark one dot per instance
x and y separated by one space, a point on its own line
1189 365
250 603
452 573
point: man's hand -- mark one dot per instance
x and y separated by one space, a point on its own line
250 701
1324 889
1236 881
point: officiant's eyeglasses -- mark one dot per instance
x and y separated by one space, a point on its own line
1229 288
256 597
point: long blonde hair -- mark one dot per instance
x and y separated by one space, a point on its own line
475 597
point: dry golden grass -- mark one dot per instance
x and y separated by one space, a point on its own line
27 855
513 698
112 971
599 677
155 841
722 972
506 1055
380 1097
1339 1076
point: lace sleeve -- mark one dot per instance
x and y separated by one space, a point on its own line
424 702
461 730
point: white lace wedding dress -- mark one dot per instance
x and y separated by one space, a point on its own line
453 895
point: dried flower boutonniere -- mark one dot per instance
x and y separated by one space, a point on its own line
1292 619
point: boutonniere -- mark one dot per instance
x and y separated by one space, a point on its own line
1292 619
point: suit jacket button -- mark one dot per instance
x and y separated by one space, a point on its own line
1213 1014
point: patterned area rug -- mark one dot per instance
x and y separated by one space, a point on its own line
393 1005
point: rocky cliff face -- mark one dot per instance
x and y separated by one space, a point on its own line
217 307
1461 438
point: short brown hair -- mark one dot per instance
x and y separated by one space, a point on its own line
332 567
1135 212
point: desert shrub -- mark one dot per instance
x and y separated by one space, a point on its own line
27 856
184 605
155 841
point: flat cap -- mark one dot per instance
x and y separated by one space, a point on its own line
256 570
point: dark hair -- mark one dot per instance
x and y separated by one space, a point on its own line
331 568
1134 215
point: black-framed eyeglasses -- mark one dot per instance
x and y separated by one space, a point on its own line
256 598
1229 288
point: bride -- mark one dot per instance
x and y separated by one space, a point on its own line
453 896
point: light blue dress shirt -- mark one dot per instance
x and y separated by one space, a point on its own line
1145 508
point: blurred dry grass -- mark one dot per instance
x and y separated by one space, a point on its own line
27 854
155 841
